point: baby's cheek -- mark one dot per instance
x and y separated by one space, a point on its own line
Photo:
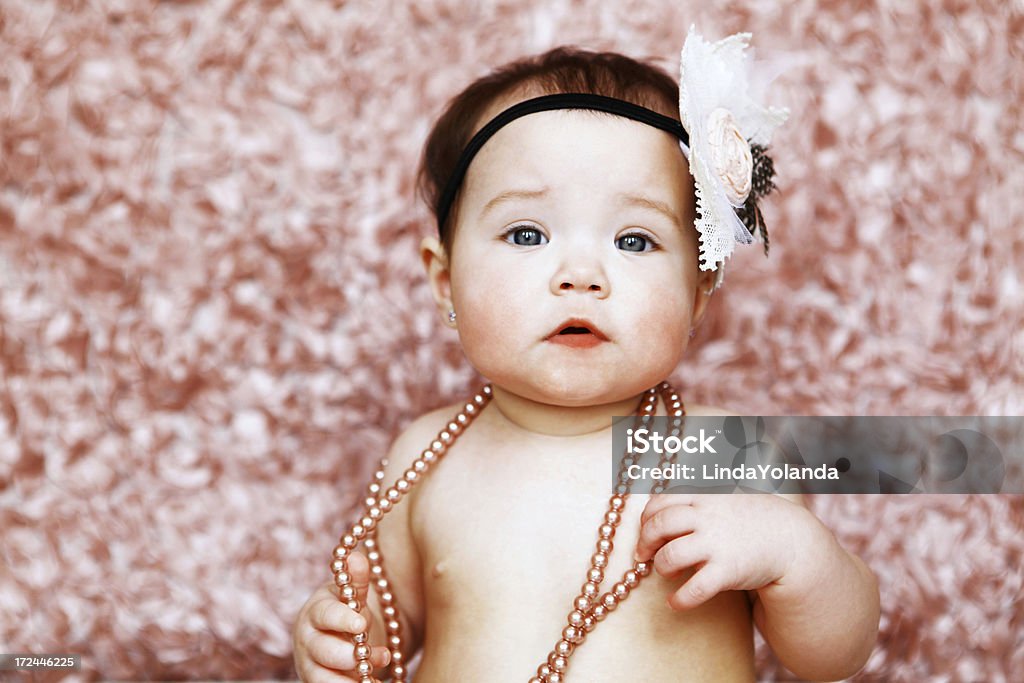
667 324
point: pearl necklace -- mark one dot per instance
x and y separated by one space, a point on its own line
590 606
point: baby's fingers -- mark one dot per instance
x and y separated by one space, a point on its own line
336 653
331 615
699 588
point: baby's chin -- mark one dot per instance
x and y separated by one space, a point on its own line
579 389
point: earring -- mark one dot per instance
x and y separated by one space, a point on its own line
693 331
451 316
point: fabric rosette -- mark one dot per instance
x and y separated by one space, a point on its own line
729 133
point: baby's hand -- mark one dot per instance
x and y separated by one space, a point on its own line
322 650
736 541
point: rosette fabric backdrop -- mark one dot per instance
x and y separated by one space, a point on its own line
213 320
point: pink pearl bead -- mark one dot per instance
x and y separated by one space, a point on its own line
374 488
389 612
620 590
606 531
373 556
362 651
572 634
366 679
544 671
622 489
358 531
605 546
575 618
377 571
411 475
397 672
590 589
454 428
599 560
429 457
583 603
364 668
384 504
342 578
589 623
643 568
393 625
402 485
617 503
392 494
359 638
347 592
370 501
595 574
419 465
382 585
462 419
349 541
599 613
631 578
479 400
397 657
536 679
340 552
437 447
374 512
469 409
555 677
445 437
564 648
386 598
353 604
394 642
612 517
610 602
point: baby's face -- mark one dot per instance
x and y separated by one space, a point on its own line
572 218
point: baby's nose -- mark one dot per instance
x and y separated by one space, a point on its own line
581 276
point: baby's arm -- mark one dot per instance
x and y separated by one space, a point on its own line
815 604
323 628
821 617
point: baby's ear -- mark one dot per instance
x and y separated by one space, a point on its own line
702 294
435 260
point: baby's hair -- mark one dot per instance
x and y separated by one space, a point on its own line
561 70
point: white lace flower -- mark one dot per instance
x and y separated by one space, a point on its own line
722 121
730 156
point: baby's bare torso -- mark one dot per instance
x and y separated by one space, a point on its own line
505 526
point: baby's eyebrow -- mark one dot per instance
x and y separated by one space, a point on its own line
510 195
629 199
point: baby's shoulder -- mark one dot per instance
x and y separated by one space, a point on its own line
419 433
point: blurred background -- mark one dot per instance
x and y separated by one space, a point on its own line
213 319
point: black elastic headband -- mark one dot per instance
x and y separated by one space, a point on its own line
547 103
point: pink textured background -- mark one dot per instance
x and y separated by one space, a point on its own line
212 316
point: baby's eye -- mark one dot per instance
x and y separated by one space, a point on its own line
636 242
525 236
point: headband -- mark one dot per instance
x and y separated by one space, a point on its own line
724 135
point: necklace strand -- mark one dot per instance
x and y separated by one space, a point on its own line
590 606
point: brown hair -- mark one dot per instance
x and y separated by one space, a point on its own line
561 70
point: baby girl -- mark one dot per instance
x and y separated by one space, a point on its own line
586 206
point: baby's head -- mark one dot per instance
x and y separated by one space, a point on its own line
561 70
567 250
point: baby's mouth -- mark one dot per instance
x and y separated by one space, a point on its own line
577 331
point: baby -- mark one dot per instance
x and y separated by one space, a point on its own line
586 207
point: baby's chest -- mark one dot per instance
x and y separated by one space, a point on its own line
502 529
